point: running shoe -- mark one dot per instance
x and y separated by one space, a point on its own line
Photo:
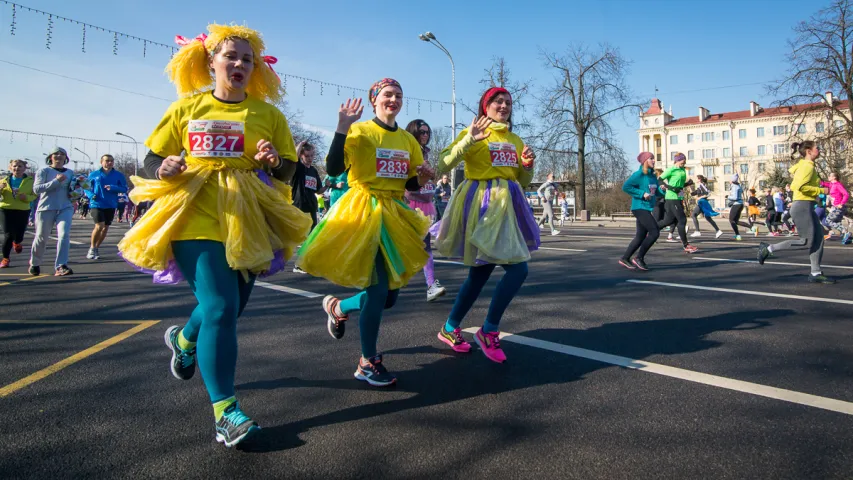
4 263
754 231
695 234
490 344
299 270
372 371
670 239
738 238
821 279
627 264
93 254
63 270
845 239
764 252
718 234
17 247
434 291
234 426
336 324
35 271
691 249
454 339
640 264
827 236
183 361
554 233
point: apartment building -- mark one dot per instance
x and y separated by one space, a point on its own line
749 142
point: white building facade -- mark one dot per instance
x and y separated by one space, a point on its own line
750 142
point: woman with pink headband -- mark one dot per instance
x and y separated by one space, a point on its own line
488 221
370 239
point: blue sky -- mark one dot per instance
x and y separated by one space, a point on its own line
682 47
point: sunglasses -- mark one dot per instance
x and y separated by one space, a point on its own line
423 132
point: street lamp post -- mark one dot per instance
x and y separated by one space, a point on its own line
88 158
430 38
136 160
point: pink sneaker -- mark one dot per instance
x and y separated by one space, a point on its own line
490 344
455 340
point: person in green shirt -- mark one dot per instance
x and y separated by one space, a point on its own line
16 193
674 179
337 186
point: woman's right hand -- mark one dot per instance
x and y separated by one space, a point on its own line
348 114
825 191
478 127
61 177
171 166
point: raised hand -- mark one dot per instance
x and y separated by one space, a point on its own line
267 153
348 114
478 127
171 166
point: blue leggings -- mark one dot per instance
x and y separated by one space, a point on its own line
507 287
222 295
370 302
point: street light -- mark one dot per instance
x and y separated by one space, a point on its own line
87 158
430 38
136 161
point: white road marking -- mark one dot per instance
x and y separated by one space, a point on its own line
744 292
771 263
791 396
73 242
562 249
448 261
294 291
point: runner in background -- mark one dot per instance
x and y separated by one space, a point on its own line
547 193
121 205
306 185
838 196
643 188
703 207
16 194
54 209
337 186
106 185
442 195
139 210
673 181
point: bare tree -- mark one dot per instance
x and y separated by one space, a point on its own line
500 75
589 89
439 139
300 132
821 62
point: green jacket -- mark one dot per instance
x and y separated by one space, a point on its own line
7 198
676 178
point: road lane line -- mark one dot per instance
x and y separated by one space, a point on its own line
771 262
744 292
294 291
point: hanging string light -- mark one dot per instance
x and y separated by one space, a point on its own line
84 39
14 19
49 30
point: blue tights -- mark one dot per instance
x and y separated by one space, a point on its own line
222 295
505 291
370 302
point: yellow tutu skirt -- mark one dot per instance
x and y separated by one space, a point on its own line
342 248
257 218
487 221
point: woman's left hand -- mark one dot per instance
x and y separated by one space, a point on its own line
267 153
527 157
425 174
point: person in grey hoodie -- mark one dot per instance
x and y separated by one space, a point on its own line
54 208
548 193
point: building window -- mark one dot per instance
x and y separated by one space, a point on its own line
689 171
708 153
672 156
743 151
689 138
657 143
762 183
690 155
727 186
762 149
727 170
801 129
761 168
708 137
744 168
818 127
725 134
780 149
839 123
727 152
840 145
780 130
741 133
708 171
673 140
759 132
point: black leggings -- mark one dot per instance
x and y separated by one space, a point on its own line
675 216
734 216
14 226
697 210
771 221
646 236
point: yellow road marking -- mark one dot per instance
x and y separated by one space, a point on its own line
78 322
27 279
41 374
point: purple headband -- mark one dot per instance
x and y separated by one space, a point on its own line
679 157
378 86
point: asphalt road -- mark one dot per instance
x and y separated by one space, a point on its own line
606 378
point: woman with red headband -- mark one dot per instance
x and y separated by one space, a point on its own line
223 213
370 239
488 221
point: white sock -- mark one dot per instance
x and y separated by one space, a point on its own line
816 274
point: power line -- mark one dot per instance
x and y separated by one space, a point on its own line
658 94
50 135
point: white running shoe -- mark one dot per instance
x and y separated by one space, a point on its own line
695 234
554 233
434 291
670 239
718 234
299 270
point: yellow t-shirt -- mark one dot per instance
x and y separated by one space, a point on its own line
380 158
205 127
497 156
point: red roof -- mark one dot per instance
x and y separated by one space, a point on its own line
767 112
655 107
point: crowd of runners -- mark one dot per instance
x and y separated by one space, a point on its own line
230 197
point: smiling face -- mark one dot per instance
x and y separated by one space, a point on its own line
424 134
17 167
500 108
388 102
232 63
58 160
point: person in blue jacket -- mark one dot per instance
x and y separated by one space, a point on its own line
106 184
644 190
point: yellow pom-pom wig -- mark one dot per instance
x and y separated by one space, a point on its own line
190 71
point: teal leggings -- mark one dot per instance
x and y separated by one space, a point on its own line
222 295
370 302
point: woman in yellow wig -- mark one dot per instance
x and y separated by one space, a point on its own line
370 239
218 220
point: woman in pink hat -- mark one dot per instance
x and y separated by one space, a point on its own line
643 188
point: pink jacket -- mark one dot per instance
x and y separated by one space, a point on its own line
837 193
